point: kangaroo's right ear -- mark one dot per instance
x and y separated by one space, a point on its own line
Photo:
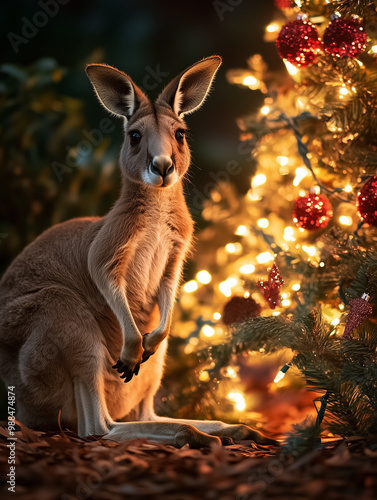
115 90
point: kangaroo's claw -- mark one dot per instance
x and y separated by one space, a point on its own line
127 372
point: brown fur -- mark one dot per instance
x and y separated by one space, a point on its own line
87 291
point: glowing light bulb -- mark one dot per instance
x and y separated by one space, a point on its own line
239 400
265 110
335 321
247 269
296 287
282 160
301 173
345 220
190 286
309 250
285 302
272 28
258 180
374 49
251 82
348 188
281 373
216 316
226 286
235 248
263 223
288 234
264 257
241 231
208 331
204 376
292 70
230 372
343 91
204 277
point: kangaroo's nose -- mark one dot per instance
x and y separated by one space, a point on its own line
162 165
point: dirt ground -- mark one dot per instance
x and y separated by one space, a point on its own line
65 466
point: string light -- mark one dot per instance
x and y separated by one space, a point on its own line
288 234
282 160
265 110
190 286
230 372
251 82
204 277
282 372
348 189
258 180
204 376
247 269
345 220
208 331
292 70
241 231
239 400
216 316
264 257
226 286
235 248
285 302
296 287
374 49
301 173
263 223
309 250
273 28
335 322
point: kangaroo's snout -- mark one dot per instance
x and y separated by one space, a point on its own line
162 165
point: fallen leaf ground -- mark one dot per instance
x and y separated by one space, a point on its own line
65 466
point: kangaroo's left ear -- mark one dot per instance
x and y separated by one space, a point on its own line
187 92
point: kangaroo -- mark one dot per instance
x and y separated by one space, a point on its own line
88 305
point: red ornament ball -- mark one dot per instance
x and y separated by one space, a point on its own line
298 43
312 211
344 38
239 309
283 4
367 202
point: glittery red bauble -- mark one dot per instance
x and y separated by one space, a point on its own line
270 289
312 211
298 42
367 202
344 38
359 311
239 309
283 4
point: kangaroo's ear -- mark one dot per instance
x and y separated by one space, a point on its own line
187 92
115 90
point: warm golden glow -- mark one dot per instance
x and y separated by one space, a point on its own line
292 70
216 316
273 28
241 231
247 269
251 82
348 189
238 399
263 223
204 277
264 257
190 286
345 220
258 180
282 160
296 287
208 331
265 110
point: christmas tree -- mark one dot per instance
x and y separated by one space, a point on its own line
289 270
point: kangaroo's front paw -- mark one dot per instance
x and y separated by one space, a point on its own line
148 349
128 367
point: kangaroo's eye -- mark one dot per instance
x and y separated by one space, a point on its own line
135 137
180 135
